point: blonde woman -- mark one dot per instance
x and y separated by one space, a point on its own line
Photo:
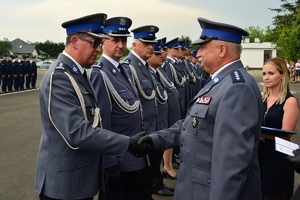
280 110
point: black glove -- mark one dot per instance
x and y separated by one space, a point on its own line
134 139
112 175
141 149
145 140
295 160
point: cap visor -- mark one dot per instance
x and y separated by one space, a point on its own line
149 41
201 41
159 51
97 35
119 35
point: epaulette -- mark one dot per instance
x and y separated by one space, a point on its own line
97 65
237 77
127 61
60 67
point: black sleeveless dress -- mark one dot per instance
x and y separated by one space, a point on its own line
277 175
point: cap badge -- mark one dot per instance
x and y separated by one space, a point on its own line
152 28
122 21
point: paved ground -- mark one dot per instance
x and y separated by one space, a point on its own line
20 130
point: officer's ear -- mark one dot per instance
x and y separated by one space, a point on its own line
223 49
74 42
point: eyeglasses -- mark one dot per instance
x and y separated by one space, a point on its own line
95 43
205 37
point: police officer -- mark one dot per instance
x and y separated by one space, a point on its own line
33 72
196 67
4 73
174 112
16 73
10 78
218 144
142 50
27 72
118 99
175 72
22 71
69 163
161 97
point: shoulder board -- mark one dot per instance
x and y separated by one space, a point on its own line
237 77
97 65
127 61
60 67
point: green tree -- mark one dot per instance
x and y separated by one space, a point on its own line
288 40
285 33
5 46
255 32
51 48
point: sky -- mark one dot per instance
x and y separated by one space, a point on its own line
40 20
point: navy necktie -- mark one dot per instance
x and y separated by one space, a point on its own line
120 67
85 76
207 81
147 66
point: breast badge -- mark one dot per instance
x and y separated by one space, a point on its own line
194 122
203 100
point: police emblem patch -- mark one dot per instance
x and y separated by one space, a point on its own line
216 79
74 68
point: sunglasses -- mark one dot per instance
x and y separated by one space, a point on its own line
95 43
205 37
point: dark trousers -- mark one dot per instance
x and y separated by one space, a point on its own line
16 83
28 80
128 188
43 197
33 80
4 84
153 178
21 82
10 83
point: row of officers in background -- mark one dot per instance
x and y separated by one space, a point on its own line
17 75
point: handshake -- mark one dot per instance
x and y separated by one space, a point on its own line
140 145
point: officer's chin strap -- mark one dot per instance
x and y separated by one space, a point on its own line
97 116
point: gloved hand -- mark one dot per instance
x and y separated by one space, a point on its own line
295 160
112 175
141 149
145 140
134 139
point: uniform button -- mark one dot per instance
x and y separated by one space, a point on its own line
181 144
208 181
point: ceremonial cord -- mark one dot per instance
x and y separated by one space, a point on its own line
118 99
139 87
175 76
97 116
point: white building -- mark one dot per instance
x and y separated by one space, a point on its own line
255 54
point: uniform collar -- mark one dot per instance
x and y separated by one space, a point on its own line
77 64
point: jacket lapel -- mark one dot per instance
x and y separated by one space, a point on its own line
77 75
219 76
